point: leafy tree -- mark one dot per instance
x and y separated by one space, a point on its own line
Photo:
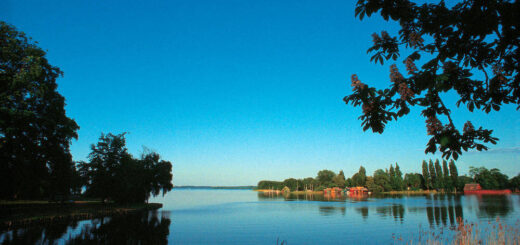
267 184
489 179
382 179
291 183
514 183
309 183
339 180
35 132
398 178
325 177
426 175
433 175
439 176
414 181
359 178
455 43
372 186
454 174
446 178
113 173
348 183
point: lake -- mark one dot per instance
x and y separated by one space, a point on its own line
206 216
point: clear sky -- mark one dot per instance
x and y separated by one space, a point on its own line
235 91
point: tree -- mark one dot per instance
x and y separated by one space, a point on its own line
35 132
414 181
268 185
291 183
514 183
339 180
446 177
398 178
472 49
325 177
348 182
382 179
426 175
359 178
489 179
433 175
439 176
453 174
113 173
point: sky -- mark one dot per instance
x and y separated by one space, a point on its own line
233 92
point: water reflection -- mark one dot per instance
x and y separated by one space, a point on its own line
331 210
396 211
136 228
491 206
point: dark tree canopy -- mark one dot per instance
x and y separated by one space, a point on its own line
115 174
35 132
470 48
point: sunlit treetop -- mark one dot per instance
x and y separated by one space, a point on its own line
465 42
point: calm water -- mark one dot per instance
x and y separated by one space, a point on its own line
199 216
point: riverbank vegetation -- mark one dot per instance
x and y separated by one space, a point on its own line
435 178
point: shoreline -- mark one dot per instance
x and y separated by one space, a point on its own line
18 214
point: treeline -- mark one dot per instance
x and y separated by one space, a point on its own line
434 177
324 179
35 137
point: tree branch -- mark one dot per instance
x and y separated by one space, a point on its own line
446 111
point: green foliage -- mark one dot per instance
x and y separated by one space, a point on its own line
339 180
453 43
292 183
514 183
372 186
382 181
446 176
454 174
414 180
462 181
325 177
489 179
359 178
348 183
433 175
426 175
35 132
268 184
439 176
115 174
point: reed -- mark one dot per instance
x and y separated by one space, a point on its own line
494 233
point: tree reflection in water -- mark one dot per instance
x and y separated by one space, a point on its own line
491 206
134 228
443 207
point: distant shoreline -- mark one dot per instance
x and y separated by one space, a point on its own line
246 187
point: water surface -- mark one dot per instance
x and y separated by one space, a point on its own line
195 216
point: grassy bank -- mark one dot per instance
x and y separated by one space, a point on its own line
14 214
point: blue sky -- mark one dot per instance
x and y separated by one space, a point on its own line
235 91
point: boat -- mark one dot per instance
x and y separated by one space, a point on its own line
474 188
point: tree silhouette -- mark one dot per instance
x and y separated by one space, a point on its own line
470 40
35 132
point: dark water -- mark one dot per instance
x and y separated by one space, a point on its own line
248 217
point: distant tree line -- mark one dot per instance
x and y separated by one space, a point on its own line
433 177
35 137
